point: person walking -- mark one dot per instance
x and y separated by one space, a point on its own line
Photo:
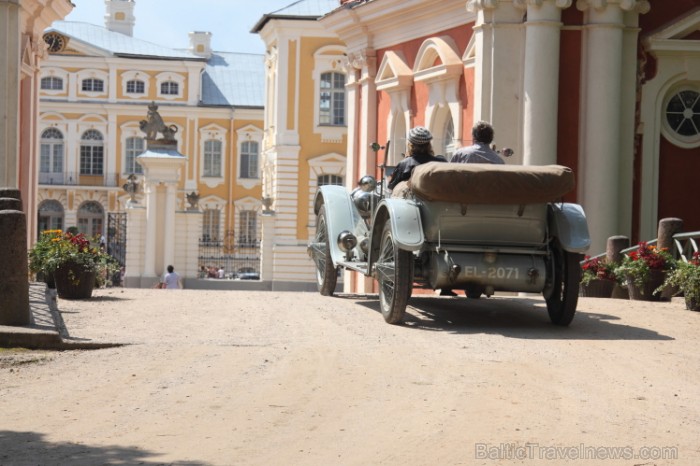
172 279
420 151
480 151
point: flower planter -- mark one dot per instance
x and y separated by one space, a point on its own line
46 278
692 304
620 292
73 282
597 288
646 291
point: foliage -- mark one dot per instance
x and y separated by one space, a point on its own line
597 268
56 248
638 264
686 276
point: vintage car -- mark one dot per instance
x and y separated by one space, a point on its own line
479 228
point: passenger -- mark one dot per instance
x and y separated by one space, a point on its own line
420 151
480 151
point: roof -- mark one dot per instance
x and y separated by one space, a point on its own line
229 79
301 10
234 79
116 43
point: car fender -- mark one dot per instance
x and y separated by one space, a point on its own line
567 222
405 221
341 215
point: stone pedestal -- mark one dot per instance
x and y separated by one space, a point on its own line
14 273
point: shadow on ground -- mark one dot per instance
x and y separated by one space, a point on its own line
511 317
31 448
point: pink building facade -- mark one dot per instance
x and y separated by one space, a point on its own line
610 88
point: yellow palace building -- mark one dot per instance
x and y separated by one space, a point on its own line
95 88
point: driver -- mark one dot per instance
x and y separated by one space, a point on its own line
479 152
420 151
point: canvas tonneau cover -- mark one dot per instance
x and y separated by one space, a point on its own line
472 183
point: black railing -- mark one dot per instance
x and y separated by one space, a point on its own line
109 180
239 260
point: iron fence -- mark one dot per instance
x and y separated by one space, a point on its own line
239 258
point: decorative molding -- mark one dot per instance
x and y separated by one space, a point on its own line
394 73
476 5
638 6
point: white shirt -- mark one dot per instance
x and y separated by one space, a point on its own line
172 281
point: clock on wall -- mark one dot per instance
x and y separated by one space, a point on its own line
55 41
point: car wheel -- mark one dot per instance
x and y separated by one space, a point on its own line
395 276
326 274
561 293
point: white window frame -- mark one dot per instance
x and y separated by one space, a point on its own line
167 77
93 74
212 153
247 204
126 131
329 59
52 143
135 76
442 81
216 133
51 72
87 143
249 133
395 78
685 142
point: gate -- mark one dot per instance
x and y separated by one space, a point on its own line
116 236
240 257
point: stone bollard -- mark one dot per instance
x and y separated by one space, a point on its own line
613 255
615 245
667 228
14 285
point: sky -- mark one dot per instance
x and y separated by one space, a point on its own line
168 22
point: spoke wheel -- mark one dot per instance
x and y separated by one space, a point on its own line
562 293
395 276
326 274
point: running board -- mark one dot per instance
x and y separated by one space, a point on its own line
356 266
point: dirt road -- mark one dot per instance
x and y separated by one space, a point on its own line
260 378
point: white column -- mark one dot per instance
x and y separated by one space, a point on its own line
499 40
149 266
352 153
601 115
541 81
169 230
267 247
10 60
367 62
113 83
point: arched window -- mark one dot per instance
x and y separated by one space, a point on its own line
249 159
91 218
50 216
133 148
91 153
683 113
212 158
330 179
332 102
93 85
51 83
169 88
135 86
51 157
